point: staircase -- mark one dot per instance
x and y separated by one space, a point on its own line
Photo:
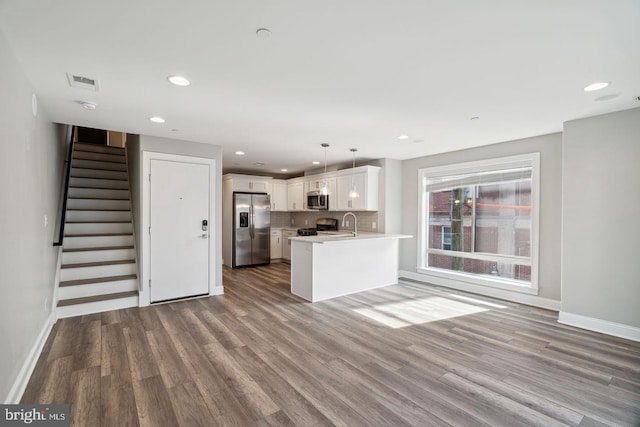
98 270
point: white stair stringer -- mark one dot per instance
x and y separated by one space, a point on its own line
98 271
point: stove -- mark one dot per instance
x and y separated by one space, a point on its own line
322 224
307 232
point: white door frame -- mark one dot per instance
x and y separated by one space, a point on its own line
147 156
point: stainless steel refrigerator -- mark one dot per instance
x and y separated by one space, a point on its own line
251 229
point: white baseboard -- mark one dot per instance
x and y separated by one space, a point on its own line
597 325
20 384
527 299
217 290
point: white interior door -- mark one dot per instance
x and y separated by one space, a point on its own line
179 247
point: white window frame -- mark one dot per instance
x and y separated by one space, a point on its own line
444 277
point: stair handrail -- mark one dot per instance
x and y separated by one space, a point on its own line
67 177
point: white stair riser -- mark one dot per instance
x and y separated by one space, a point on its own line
103 157
94 228
97 256
82 273
95 192
92 173
98 183
96 307
98 204
97 241
98 216
81 291
97 148
91 164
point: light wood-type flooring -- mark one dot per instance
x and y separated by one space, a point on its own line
403 355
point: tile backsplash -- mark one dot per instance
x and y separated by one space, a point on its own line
280 219
365 219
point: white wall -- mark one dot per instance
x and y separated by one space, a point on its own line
180 147
31 164
550 149
601 218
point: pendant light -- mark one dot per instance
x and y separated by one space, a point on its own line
353 193
325 188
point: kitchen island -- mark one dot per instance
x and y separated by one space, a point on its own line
324 267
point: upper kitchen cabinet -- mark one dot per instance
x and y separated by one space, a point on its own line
296 196
249 183
278 191
365 179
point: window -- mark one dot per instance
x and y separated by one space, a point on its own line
479 222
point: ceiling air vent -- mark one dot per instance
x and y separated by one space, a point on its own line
83 82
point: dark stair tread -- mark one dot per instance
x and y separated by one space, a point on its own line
98 263
97 234
87 187
98 169
96 298
98 280
98 222
84 149
98 248
96 177
101 209
95 198
99 160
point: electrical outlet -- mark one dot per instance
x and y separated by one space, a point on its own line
347 222
293 221
46 221
373 225
306 222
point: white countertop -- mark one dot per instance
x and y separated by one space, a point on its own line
349 238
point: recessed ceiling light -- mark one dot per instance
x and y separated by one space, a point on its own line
403 137
89 105
258 164
179 80
283 170
475 118
156 119
263 33
315 163
174 130
239 153
596 86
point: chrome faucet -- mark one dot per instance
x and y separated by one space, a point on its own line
355 223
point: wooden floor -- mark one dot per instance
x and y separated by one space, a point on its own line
403 355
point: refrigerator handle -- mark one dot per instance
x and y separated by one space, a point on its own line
251 224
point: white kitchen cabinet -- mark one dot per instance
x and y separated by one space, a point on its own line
366 180
296 197
276 244
278 192
286 243
249 183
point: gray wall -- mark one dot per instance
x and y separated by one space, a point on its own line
550 149
601 205
32 155
184 148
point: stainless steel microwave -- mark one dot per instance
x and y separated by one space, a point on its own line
315 200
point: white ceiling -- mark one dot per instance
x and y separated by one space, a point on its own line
351 73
